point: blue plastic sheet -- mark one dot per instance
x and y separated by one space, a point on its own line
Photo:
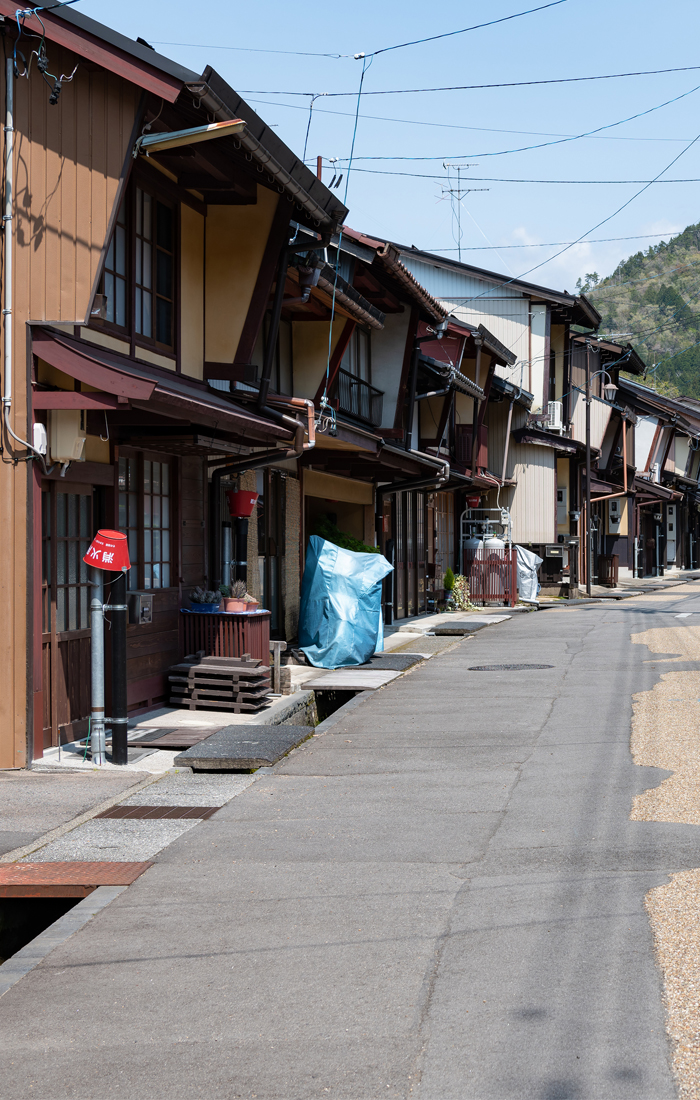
341 604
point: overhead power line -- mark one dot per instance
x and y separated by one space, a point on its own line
497 179
546 144
449 125
367 53
480 87
551 244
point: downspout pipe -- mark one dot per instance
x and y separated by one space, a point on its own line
254 462
478 340
437 332
7 219
505 449
277 302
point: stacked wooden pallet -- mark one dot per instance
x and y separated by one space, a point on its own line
224 683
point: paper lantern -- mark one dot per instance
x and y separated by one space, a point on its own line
241 503
108 550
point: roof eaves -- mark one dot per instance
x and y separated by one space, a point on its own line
269 151
108 48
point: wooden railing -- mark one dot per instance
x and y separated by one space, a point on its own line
492 576
358 398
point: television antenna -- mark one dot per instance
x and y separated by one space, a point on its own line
456 195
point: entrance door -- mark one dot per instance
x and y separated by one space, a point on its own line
66 532
420 553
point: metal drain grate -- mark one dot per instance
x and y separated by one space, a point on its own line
506 668
160 813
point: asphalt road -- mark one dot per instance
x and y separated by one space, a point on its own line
441 898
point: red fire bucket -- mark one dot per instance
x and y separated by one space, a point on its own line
108 550
473 502
241 503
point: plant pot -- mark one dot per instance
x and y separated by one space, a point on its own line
210 607
252 605
230 603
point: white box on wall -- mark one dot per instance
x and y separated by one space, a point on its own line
67 435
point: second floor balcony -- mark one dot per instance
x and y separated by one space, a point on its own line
357 398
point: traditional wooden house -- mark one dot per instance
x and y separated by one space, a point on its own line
147 212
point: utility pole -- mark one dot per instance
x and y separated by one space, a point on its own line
587 524
456 195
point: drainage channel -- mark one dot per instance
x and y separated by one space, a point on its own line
53 891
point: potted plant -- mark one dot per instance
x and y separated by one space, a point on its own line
234 596
202 599
448 584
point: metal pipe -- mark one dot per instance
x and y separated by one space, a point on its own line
97 670
253 462
226 563
276 314
505 449
475 418
118 721
412 383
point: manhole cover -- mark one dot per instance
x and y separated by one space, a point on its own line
506 668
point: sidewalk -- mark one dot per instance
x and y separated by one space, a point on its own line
32 803
440 896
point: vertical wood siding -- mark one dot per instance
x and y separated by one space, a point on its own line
68 160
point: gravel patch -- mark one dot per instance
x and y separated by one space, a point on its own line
184 789
664 735
674 912
113 840
664 731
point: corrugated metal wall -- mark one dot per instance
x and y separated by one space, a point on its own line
532 501
600 417
502 310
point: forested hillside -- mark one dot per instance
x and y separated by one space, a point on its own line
655 297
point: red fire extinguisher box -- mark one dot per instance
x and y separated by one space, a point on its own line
241 503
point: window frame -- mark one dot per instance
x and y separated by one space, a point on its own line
128 331
141 457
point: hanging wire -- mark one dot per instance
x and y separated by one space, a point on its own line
324 404
482 87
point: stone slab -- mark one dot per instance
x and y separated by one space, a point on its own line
349 679
242 748
398 662
438 624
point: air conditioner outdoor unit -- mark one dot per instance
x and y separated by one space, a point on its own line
554 416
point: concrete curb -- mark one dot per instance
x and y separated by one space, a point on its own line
68 826
56 934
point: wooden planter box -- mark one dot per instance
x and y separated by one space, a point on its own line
226 634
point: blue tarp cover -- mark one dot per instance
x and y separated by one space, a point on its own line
341 601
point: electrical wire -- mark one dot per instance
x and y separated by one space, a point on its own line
374 53
324 398
604 221
482 87
546 144
449 125
551 244
508 179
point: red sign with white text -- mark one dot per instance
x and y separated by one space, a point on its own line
108 550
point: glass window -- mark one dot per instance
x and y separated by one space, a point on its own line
114 279
144 503
147 305
65 579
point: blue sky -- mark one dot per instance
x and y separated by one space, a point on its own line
574 38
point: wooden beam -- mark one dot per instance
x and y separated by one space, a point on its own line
88 370
74 399
405 368
276 240
336 359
